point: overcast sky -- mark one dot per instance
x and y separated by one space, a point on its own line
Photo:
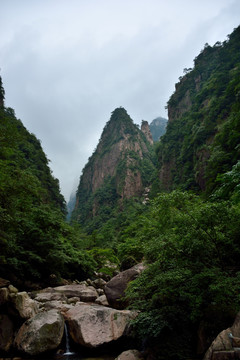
67 64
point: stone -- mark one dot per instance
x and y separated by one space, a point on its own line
3 295
115 288
102 300
6 332
221 343
50 296
12 289
130 355
85 293
99 283
95 325
59 305
25 306
41 333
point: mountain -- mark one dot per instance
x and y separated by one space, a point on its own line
203 132
120 168
158 128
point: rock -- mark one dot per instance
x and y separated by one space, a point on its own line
41 333
102 300
115 288
4 282
3 295
226 341
12 289
25 306
99 283
85 293
58 305
6 333
130 355
94 325
73 300
48 295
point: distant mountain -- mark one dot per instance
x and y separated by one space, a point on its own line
158 128
120 168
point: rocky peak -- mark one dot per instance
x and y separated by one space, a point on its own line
116 170
146 130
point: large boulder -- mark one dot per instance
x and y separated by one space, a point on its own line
82 291
115 288
95 325
130 355
6 332
25 306
41 333
4 293
226 344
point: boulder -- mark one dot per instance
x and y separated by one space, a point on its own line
227 341
6 332
49 295
115 288
95 325
25 306
102 300
85 293
41 333
130 355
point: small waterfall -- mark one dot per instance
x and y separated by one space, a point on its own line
68 352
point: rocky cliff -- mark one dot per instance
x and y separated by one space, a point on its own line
119 169
1 94
158 128
203 133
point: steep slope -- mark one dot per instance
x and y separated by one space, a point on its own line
158 128
119 169
202 137
31 206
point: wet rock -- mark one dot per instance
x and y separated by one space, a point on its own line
41 333
6 332
94 325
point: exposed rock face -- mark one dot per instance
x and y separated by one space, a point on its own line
41 333
95 325
85 293
115 168
130 355
1 93
158 128
115 288
146 130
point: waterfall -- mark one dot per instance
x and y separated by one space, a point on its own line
68 352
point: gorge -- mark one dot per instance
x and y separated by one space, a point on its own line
160 216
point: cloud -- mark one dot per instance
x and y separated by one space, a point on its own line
67 64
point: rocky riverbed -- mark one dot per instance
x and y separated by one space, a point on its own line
35 323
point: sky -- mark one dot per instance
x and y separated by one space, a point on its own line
67 64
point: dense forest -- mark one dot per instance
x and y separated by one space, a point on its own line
174 205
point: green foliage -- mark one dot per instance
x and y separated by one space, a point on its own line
192 251
202 137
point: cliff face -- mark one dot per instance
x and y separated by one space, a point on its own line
119 168
201 137
158 128
1 94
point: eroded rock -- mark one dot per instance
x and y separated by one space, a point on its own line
130 355
25 306
41 333
94 325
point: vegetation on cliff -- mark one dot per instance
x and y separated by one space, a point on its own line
202 138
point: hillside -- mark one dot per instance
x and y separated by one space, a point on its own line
121 168
203 132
